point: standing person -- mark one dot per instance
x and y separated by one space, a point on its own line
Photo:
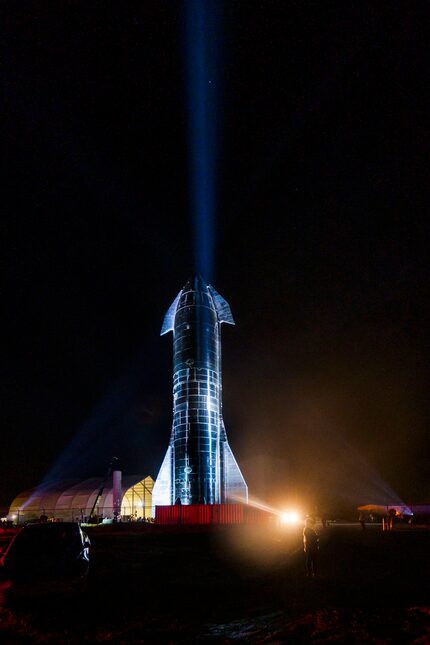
310 547
362 521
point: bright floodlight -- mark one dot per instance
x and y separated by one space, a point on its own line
290 517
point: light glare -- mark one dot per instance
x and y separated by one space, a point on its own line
290 517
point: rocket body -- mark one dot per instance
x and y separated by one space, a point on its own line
196 398
199 467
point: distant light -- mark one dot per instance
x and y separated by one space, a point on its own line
14 517
140 504
290 517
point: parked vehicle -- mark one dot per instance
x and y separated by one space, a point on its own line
43 558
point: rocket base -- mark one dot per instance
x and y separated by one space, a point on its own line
213 514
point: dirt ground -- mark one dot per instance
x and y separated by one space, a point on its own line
149 585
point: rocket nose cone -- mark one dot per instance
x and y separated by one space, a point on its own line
195 283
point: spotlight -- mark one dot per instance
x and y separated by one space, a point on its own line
289 517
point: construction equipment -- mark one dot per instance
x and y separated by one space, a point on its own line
93 519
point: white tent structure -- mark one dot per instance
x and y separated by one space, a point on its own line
73 500
379 509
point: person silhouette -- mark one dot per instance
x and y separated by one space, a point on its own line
310 547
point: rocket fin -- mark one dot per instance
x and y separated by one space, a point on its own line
162 491
235 488
222 307
169 318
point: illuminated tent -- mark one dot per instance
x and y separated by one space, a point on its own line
379 509
72 500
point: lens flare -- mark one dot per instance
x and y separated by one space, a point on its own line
290 517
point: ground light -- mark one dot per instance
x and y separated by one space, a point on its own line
289 517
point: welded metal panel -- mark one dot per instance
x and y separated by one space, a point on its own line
203 470
169 318
162 491
222 307
235 488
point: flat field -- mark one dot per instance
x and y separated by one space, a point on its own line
151 584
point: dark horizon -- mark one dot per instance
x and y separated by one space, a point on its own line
321 242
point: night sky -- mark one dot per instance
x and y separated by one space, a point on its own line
321 241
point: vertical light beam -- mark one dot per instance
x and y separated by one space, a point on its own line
202 44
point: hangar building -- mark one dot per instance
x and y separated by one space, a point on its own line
73 500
